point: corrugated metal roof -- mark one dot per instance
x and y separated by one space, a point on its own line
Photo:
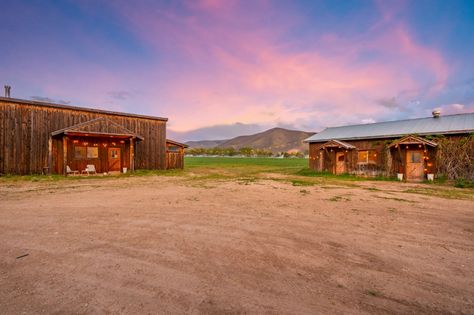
449 124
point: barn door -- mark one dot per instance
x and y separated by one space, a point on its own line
415 165
114 159
340 163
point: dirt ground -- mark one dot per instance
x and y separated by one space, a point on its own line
165 245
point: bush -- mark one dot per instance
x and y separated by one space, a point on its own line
463 183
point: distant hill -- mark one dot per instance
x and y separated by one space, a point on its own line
275 140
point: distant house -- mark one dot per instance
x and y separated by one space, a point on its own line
38 137
406 147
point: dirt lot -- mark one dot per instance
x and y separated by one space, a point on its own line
165 245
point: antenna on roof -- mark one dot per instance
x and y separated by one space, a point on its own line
7 90
436 113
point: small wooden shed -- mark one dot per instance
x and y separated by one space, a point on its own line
175 154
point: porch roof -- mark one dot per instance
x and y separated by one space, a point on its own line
413 140
100 127
337 144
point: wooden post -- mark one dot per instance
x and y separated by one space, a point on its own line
50 154
132 164
388 161
64 155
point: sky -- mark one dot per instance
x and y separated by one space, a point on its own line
219 69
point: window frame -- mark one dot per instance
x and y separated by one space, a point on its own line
83 149
370 157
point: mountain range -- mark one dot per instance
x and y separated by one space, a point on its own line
275 140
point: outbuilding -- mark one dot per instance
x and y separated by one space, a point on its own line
406 147
175 154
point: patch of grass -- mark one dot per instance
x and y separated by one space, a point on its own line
372 189
373 292
339 198
463 183
395 198
263 164
296 182
312 173
246 180
172 172
447 193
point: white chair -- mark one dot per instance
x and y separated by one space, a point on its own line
71 172
90 169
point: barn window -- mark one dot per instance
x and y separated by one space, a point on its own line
79 153
367 157
92 152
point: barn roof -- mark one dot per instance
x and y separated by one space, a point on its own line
85 109
448 124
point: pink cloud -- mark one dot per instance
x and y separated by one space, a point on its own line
226 66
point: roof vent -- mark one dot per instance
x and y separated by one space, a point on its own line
7 90
436 113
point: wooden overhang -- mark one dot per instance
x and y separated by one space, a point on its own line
337 144
413 140
179 144
112 130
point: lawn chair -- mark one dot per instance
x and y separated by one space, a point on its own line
90 169
71 172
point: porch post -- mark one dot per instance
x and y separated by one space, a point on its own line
132 163
388 161
64 155
50 154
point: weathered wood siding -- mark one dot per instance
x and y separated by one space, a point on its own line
174 158
26 128
388 161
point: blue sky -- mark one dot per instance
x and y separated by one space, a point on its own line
219 69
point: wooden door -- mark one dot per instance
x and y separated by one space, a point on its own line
340 163
415 165
114 159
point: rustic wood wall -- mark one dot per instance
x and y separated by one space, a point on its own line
175 160
26 127
174 155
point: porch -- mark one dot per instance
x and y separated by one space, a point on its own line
105 145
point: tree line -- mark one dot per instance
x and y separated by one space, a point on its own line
246 151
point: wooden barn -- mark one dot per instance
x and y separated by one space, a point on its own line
38 137
405 147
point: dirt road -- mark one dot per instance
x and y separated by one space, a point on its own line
164 245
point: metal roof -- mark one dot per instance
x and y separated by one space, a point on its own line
449 124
